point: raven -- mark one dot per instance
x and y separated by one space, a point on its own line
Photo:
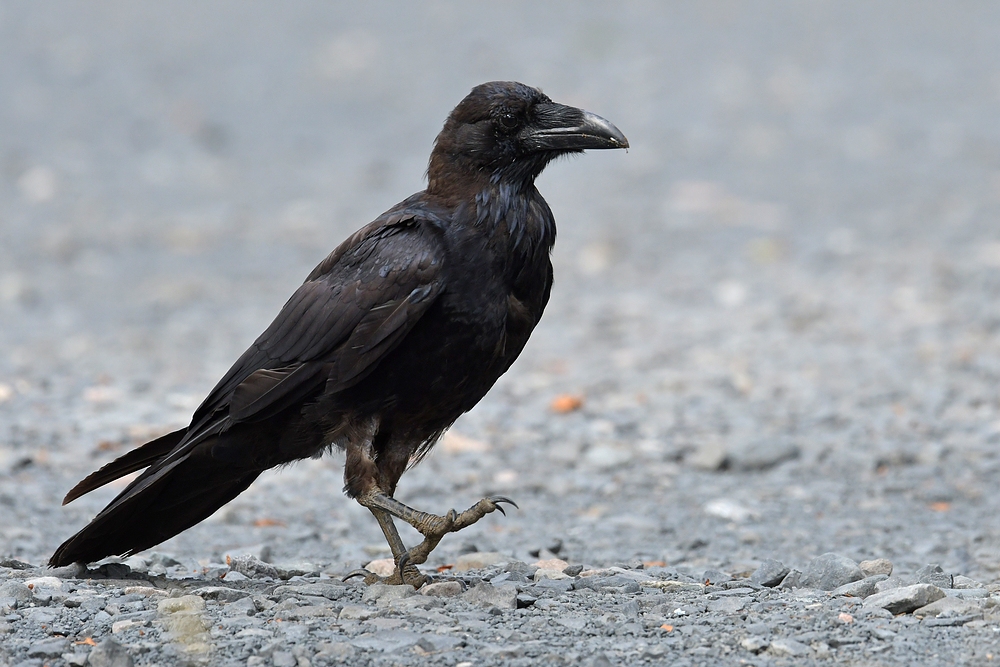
399 331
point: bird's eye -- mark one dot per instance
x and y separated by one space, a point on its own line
508 120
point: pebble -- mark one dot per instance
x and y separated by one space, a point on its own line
792 580
859 589
442 589
830 571
961 582
905 599
762 455
479 560
487 595
788 647
49 648
109 653
546 573
934 575
876 566
383 594
250 566
769 573
383 567
354 612
947 606
324 590
220 593
755 644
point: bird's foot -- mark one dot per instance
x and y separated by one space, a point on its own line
406 572
433 527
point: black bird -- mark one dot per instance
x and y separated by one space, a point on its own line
391 338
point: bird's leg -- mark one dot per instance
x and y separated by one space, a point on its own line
362 479
431 526
406 572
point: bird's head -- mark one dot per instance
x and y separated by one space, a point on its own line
507 132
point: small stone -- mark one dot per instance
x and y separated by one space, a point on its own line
967 593
502 597
76 659
859 589
220 593
524 600
566 584
770 573
283 659
16 590
905 599
788 647
242 607
755 644
573 570
551 564
113 571
715 577
442 589
728 605
123 625
958 581
953 620
71 571
479 560
876 566
385 593
675 586
830 571
321 589
341 651
252 567
49 648
547 573
182 617
792 580
708 455
934 575
355 612
233 575
109 653
383 567
762 455
435 643
889 584
387 640
947 606
288 570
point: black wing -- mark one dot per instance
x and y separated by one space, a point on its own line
352 310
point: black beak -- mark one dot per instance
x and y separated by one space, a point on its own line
557 127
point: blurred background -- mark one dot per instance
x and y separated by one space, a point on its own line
774 327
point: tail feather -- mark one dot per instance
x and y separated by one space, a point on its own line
157 506
137 459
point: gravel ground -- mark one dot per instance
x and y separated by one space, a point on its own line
773 344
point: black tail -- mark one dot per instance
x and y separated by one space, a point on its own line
137 459
165 500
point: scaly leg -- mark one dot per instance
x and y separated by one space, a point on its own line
431 526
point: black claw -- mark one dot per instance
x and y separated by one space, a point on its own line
356 573
503 499
404 558
500 509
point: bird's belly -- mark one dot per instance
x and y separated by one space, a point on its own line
443 368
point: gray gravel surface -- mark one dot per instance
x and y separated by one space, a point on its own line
774 336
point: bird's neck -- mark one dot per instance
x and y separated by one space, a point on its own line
517 211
